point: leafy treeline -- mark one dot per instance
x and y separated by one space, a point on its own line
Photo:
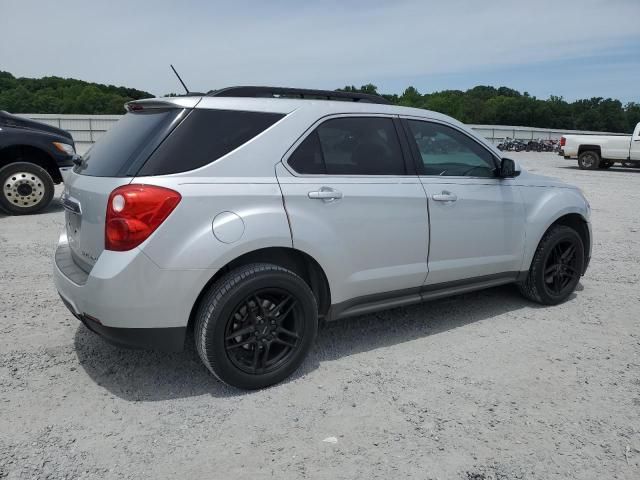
505 106
478 105
63 95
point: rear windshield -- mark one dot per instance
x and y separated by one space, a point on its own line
125 147
203 137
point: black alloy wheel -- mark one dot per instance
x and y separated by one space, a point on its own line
255 325
561 268
264 331
556 268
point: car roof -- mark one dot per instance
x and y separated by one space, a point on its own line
289 105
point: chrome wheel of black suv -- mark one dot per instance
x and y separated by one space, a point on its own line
255 325
26 188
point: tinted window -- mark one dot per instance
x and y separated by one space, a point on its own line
308 156
204 136
130 141
351 146
447 152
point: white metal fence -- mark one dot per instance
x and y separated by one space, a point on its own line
497 133
86 129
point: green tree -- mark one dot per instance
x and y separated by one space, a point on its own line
482 104
632 112
63 95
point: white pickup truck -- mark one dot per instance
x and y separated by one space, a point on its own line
602 151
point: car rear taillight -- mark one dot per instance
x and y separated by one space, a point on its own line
134 212
562 141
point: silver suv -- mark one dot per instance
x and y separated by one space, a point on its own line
252 213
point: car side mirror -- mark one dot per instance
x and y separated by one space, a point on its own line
508 168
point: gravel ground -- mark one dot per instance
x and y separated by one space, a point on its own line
480 386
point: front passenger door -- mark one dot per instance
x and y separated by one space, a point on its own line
476 219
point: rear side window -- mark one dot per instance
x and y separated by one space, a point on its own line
351 146
128 143
205 136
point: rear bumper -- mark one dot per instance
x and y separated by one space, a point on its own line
169 339
567 155
128 299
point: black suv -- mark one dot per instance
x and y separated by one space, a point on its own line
31 157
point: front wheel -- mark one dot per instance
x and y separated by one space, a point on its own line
256 325
26 188
556 267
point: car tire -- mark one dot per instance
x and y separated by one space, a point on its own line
26 188
255 326
589 160
550 266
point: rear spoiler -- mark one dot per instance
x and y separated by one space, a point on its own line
161 103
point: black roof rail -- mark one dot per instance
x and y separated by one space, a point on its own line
277 92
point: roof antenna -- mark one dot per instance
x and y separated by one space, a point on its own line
174 71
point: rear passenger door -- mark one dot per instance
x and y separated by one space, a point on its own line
355 205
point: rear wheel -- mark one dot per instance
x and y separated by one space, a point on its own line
589 160
26 188
256 325
556 267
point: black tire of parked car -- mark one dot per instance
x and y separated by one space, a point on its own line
589 160
26 188
255 326
556 267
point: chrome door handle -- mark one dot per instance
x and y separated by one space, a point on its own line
444 196
326 193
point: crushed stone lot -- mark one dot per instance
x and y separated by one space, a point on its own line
481 386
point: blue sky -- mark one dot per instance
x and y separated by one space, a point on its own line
610 73
571 48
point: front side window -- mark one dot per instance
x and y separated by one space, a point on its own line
351 146
446 151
